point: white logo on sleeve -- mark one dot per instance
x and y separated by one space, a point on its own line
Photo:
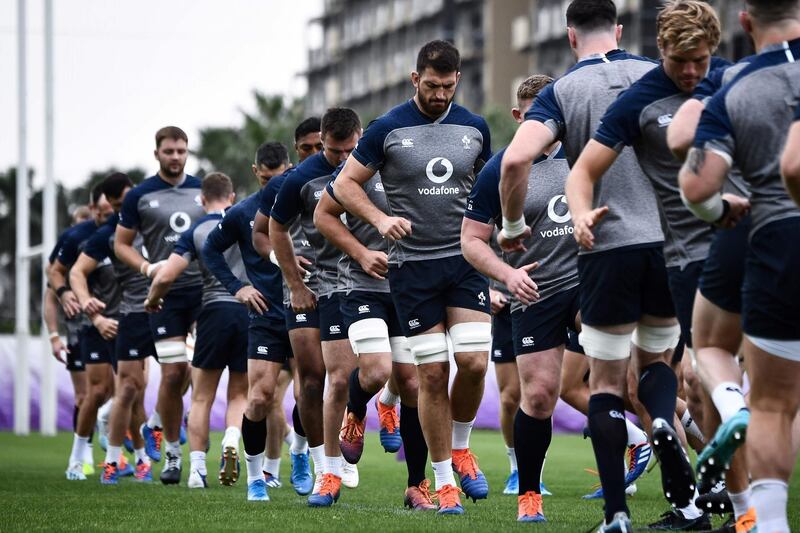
179 221
379 186
198 201
527 341
263 350
407 143
153 203
363 309
664 120
318 194
551 210
431 170
413 323
466 140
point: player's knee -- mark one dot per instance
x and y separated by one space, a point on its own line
509 399
656 339
369 336
434 378
259 401
472 367
338 383
372 377
312 387
429 348
603 345
127 391
469 337
97 394
170 352
542 399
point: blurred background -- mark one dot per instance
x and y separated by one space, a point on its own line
83 94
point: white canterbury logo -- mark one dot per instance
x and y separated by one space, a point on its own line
616 414
161 330
317 195
527 341
363 309
407 143
133 352
301 317
335 329
413 323
379 187
263 350
664 120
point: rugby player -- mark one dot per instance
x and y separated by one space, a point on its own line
160 209
746 123
428 150
221 340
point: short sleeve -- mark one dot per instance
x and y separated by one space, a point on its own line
483 203
129 214
288 203
69 252
222 237
98 246
715 131
369 151
185 245
619 127
266 197
486 150
545 109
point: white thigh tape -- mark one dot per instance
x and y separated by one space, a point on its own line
370 335
401 353
656 339
605 346
471 337
171 352
429 348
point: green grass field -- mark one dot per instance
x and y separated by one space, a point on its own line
35 495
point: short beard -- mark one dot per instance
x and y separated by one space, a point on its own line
167 173
425 109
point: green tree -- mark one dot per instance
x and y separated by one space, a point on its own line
501 125
232 149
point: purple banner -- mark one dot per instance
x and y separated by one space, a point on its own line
565 419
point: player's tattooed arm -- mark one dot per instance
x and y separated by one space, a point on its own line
695 160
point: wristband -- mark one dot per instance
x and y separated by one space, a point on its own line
513 228
61 290
143 268
54 335
709 210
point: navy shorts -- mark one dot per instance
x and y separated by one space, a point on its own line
360 305
134 340
306 319
547 323
267 340
423 290
502 341
771 292
619 286
74 357
723 272
683 287
331 320
222 337
179 312
95 349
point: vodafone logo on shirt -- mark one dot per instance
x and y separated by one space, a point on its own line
438 170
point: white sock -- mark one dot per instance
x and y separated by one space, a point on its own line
79 445
635 434
318 455
231 437
769 499
174 448
273 466
88 454
334 465
254 465
387 397
289 438
113 453
154 421
443 473
198 461
512 459
299 444
728 398
691 426
740 502
461 433
691 511
141 455
105 411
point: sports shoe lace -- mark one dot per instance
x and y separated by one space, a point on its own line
388 417
466 464
448 496
425 491
330 484
142 468
108 470
352 430
172 461
158 436
530 503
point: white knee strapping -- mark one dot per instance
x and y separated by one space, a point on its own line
656 339
471 337
401 353
605 346
171 352
429 348
370 335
